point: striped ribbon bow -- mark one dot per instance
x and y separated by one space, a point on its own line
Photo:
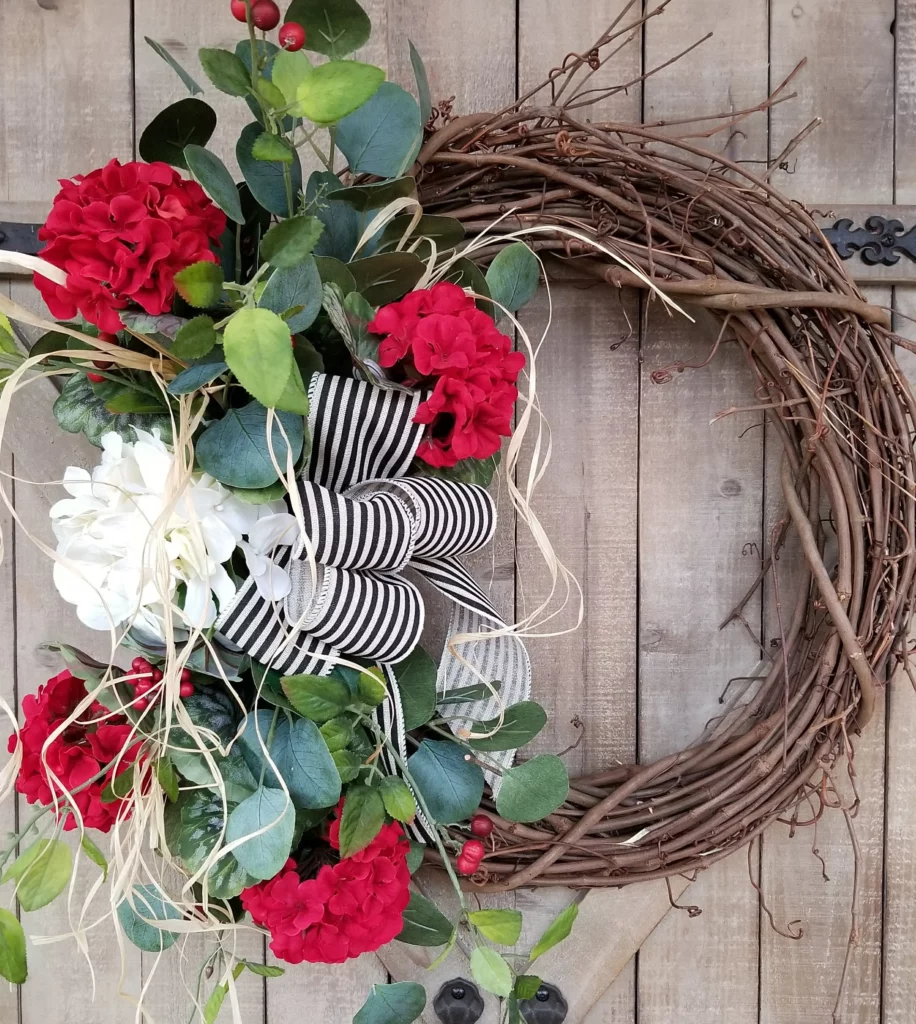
365 524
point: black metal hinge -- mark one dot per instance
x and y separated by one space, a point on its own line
881 241
20 238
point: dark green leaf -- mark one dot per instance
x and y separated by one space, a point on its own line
199 373
415 857
558 929
337 733
214 178
332 27
264 970
195 339
235 451
374 196
521 723
526 986
94 854
467 471
451 787
533 789
419 72
200 284
513 276
362 819
290 243
341 221
332 271
399 801
348 764
265 178
270 810
331 91
500 926
424 923
41 873
384 135
268 146
167 778
319 698
446 232
400 1002
147 903
192 86
257 348
466 274
296 288
127 400
13 964
491 972
416 678
188 122
386 278
477 691
226 71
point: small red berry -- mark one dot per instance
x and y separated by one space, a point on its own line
239 10
142 686
265 14
157 675
466 866
291 36
186 676
140 665
474 850
186 690
96 378
141 704
481 826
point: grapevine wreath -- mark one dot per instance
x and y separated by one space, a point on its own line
300 387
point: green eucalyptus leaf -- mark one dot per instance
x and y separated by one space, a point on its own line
332 271
195 339
214 178
257 348
290 243
331 91
188 122
270 813
466 274
503 927
260 495
451 787
13 963
200 284
225 70
424 923
446 232
298 288
416 679
235 449
192 86
147 903
400 1002
384 135
268 146
532 790
319 698
201 372
332 27
374 195
491 972
265 178
521 723
386 277
419 72
362 819
341 221
41 873
558 930
513 276
398 800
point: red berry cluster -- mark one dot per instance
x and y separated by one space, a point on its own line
473 851
102 364
147 678
265 15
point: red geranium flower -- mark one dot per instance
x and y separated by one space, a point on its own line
121 234
352 907
81 751
438 338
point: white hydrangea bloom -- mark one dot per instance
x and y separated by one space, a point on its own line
119 571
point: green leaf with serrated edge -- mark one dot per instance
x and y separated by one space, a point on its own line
375 195
294 399
526 986
257 348
558 929
513 276
419 73
319 698
400 1002
384 135
532 790
268 146
41 873
415 857
193 88
362 819
290 242
264 970
214 178
332 27
386 277
399 801
289 287
13 964
331 91
475 692
424 923
416 679
371 688
235 451
128 401
188 122
271 95
265 178
348 763
521 723
446 232
225 70
337 733
94 854
288 72
200 373
491 972
270 813
195 339
143 904
500 926
451 786
167 778
200 284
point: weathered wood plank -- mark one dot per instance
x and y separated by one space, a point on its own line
849 159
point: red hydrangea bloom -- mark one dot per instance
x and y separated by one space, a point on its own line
352 907
439 339
75 756
121 234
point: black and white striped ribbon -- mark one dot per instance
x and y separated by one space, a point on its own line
365 524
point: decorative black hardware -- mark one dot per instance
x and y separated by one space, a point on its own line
547 1007
880 241
458 1002
20 238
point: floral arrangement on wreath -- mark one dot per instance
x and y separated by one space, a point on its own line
299 388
